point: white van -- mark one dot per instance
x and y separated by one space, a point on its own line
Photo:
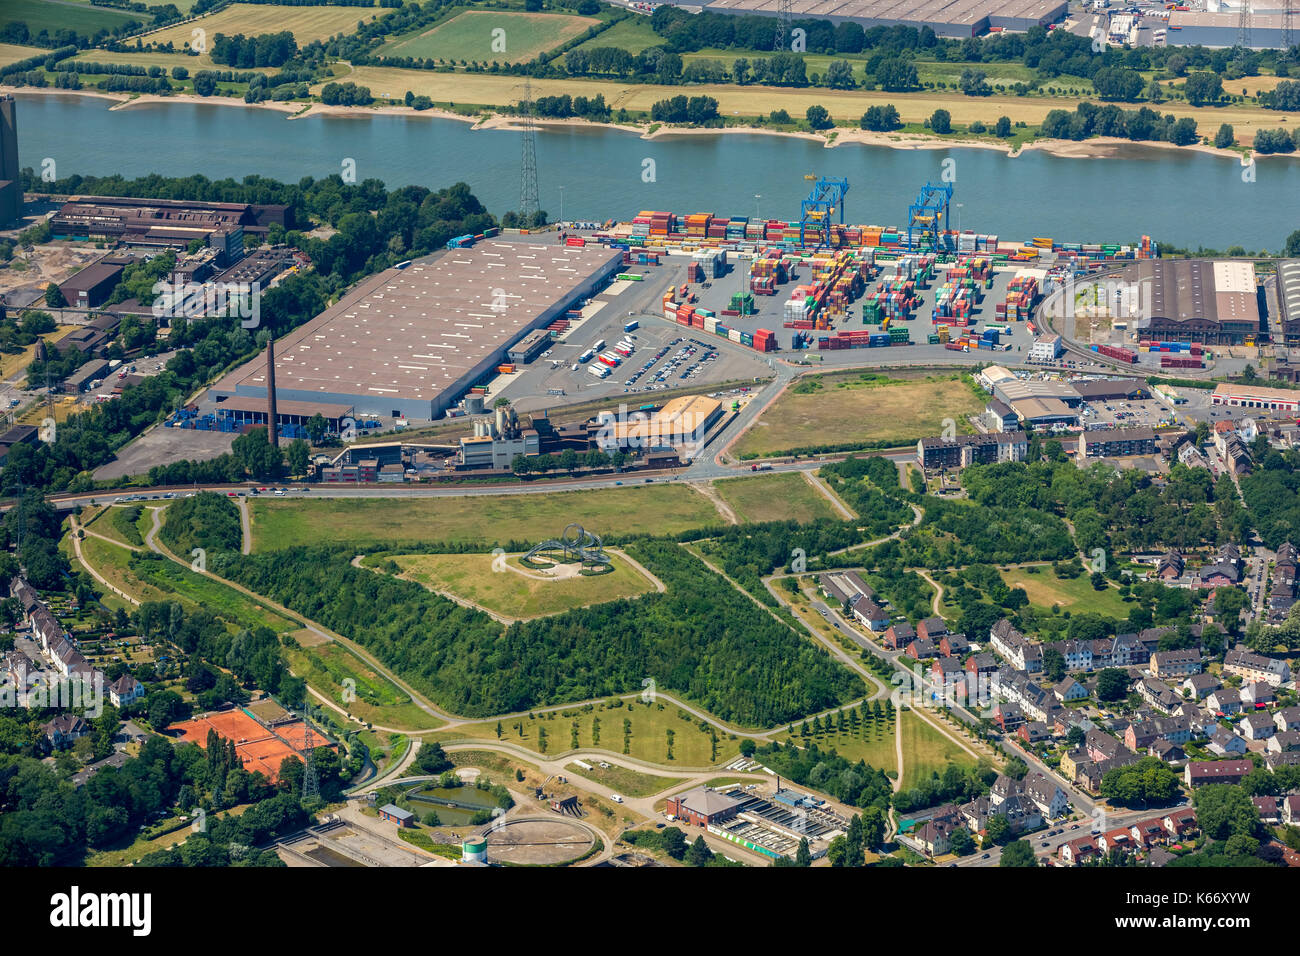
616 798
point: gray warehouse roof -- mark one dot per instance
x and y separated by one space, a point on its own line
414 333
956 12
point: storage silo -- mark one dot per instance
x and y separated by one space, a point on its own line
474 850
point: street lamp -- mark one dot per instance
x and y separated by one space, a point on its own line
561 205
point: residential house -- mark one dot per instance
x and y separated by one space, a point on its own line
1149 833
899 636
1070 689
1014 648
1007 715
1284 741
1269 812
1225 743
870 614
1201 772
1291 809
1077 654
1180 823
922 649
64 729
1257 694
932 628
1286 758
1078 850
1224 702
1142 734
1034 731
1102 746
1166 750
1047 795
947 670
1256 726
1089 775
125 690
1176 664
1116 840
1255 667
1159 695
1199 685
1288 718
954 645
1170 567
982 664
935 834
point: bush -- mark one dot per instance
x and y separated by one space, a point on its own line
941 122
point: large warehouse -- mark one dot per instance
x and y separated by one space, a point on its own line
947 18
410 341
1196 300
1196 28
1285 327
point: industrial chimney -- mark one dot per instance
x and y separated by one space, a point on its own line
272 433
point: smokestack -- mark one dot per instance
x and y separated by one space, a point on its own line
272 433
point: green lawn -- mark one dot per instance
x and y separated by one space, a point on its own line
692 747
850 407
201 591
487 519
783 497
325 666
926 751
473 35
1046 589
625 781
43 15
872 742
633 34
513 591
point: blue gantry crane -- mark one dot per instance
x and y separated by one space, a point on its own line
927 218
819 208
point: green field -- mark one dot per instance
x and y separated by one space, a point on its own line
926 751
844 409
112 562
472 36
201 591
325 666
1046 589
624 780
784 497
874 744
514 591
488 519
45 15
633 34
692 747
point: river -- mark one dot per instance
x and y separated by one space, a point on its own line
1187 198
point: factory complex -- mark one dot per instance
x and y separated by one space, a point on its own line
413 340
947 18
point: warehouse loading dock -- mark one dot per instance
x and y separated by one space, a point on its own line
411 341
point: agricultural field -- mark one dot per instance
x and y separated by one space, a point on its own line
51 16
1046 589
12 52
633 34
471 36
692 747
784 497
326 665
164 60
845 106
516 592
926 751
842 408
489 519
306 23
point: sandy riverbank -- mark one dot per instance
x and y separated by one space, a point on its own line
1096 148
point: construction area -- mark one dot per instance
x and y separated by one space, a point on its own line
261 746
947 18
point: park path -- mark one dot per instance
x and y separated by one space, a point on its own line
245 527
708 490
825 491
77 531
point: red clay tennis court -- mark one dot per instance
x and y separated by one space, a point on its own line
259 748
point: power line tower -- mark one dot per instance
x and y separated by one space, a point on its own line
528 201
1288 37
1243 34
783 18
310 781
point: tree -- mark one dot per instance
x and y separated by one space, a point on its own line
1223 811
839 75
881 118
803 856
1292 250
205 84
1053 663
1018 853
1225 137
996 829
54 296
818 117
747 747
896 75
941 122
960 842
1202 88
1112 684
972 83
297 455
699 854
1003 127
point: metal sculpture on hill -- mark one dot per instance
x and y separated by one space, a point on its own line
575 544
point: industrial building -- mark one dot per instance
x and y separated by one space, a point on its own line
496 442
410 341
1255 396
241 411
1196 300
947 18
1046 348
1286 328
161 224
11 187
1220 30
955 453
703 806
1116 443
91 287
1110 389
680 424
